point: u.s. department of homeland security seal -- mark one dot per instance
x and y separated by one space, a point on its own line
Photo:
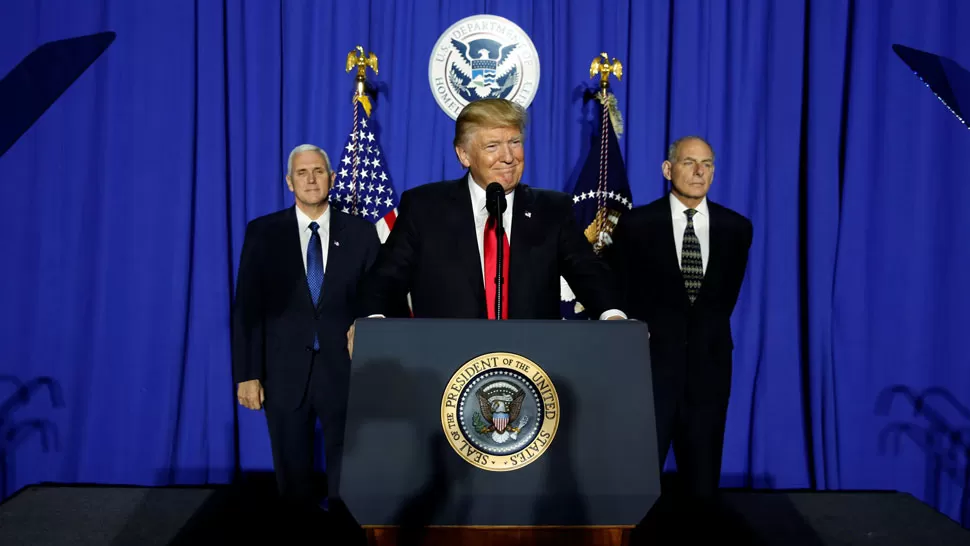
479 57
500 411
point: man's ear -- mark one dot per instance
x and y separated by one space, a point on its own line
463 156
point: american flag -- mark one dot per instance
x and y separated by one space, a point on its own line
363 186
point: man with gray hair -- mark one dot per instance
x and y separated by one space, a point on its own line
681 261
297 278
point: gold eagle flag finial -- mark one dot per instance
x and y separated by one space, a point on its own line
357 58
604 67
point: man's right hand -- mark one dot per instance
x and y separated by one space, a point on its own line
350 339
250 394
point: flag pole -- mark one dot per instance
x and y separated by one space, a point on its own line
603 67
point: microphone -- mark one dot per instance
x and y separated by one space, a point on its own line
495 199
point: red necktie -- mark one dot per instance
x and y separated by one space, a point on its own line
491 261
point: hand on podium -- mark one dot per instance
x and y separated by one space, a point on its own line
350 340
350 335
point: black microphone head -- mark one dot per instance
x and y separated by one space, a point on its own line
495 197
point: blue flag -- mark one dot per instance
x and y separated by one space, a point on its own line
602 191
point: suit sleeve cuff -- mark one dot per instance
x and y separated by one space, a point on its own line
612 313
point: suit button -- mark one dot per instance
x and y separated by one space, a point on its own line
308 348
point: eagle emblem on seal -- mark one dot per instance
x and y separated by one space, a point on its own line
480 70
500 403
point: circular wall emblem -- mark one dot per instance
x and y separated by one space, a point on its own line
479 57
500 411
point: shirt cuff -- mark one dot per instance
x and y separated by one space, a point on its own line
612 313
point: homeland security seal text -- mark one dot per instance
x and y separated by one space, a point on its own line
483 56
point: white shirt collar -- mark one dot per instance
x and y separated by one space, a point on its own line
677 208
478 197
304 221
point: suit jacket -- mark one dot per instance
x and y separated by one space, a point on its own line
274 319
432 253
690 345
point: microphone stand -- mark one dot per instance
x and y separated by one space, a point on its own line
500 256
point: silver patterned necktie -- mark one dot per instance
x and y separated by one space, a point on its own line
691 262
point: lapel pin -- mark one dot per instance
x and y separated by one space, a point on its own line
528 214
336 243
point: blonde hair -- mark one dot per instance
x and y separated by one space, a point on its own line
488 114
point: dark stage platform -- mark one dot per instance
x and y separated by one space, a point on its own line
53 514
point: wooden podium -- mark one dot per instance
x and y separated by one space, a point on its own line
499 432
488 536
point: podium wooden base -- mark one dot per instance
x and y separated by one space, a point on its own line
498 536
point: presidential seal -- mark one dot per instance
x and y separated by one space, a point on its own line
483 56
500 411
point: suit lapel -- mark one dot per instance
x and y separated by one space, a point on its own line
461 221
293 252
335 260
669 248
520 246
715 259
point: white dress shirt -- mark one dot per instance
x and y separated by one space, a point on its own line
303 223
481 217
702 227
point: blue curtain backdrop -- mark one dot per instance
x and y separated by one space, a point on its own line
122 213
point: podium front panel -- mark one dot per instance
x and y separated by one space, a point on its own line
485 423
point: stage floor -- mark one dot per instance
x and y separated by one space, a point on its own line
53 514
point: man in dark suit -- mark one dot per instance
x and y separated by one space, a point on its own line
680 261
295 295
443 248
